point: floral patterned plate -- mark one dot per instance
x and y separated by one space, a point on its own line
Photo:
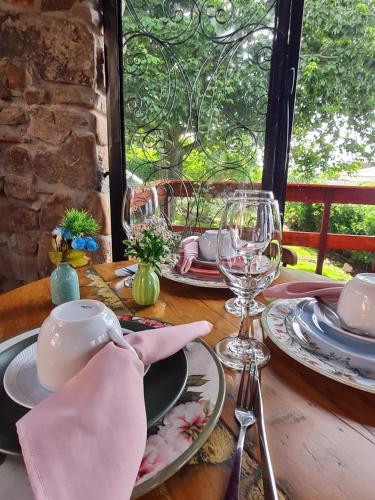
173 440
280 327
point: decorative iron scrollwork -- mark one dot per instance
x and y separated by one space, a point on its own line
196 93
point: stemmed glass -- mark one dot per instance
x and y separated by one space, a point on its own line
233 306
140 203
248 259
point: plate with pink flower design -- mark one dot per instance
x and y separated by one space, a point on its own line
184 423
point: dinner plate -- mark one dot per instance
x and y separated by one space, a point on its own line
280 326
161 390
21 381
193 279
350 354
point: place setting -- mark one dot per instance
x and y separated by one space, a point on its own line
85 368
327 326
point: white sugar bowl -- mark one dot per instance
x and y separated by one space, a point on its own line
356 306
70 336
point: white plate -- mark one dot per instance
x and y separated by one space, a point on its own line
190 279
21 381
279 324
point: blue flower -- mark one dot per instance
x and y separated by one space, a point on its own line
67 235
79 243
91 244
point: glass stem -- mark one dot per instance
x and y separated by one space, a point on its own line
246 320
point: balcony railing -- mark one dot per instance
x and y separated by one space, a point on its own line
305 193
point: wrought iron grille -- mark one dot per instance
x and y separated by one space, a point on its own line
196 107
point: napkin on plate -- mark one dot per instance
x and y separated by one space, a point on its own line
86 440
297 289
188 252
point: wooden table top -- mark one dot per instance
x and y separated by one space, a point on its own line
321 433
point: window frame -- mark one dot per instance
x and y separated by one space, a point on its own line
280 109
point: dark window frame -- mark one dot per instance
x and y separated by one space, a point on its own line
280 111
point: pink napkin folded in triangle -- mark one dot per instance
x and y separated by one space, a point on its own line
297 289
188 252
86 441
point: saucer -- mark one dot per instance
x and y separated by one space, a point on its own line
330 322
350 355
21 381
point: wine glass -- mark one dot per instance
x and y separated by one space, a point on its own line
248 262
140 203
233 306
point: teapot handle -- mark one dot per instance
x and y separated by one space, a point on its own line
119 339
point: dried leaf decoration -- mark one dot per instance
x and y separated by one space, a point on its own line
76 258
55 257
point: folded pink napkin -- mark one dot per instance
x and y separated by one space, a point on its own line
188 252
297 289
86 441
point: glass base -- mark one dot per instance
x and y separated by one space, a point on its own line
233 306
236 353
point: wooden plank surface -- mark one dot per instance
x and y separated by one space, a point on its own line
321 433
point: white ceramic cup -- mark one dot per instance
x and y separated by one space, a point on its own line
356 306
208 244
70 336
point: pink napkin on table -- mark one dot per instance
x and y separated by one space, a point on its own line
188 252
86 441
297 289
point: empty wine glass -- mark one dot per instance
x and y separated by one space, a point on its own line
140 203
248 262
233 306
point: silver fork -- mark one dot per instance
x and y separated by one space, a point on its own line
245 416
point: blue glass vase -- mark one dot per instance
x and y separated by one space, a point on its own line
64 284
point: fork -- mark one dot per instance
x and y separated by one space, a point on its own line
245 416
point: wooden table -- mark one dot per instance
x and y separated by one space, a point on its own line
321 433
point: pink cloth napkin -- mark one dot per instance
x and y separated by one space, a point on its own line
188 252
297 289
86 441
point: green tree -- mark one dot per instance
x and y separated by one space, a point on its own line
196 82
334 122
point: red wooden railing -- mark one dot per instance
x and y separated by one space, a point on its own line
305 193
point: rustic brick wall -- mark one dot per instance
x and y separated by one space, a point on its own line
53 136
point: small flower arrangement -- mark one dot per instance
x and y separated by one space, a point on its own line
72 237
152 243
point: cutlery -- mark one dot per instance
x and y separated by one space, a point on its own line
269 484
245 416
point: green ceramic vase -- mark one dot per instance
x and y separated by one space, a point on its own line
146 285
64 284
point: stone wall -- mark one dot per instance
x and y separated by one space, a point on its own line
53 135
